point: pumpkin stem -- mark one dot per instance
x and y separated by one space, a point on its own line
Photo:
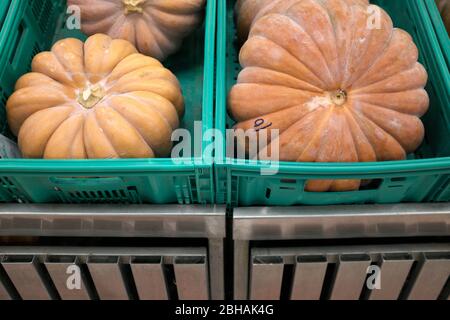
133 6
339 97
90 96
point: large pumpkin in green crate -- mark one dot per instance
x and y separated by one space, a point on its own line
337 90
99 99
155 27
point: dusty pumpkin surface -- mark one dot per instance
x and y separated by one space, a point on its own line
155 27
98 99
249 11
336 90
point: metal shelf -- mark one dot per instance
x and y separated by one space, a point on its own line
117 221
334 222
112 221
253 265
41 273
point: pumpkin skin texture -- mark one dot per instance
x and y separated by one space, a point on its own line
336 90
155 27
444 8
95 100
249 11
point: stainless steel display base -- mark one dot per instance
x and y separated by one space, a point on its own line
256 269
199 268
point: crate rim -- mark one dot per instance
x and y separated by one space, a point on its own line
331 169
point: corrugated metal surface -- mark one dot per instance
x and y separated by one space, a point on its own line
105 274
388 272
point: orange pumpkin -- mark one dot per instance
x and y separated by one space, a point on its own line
248 11
155 27
99 99
336 90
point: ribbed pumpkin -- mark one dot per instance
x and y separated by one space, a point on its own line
444 8
99 99
155 27
248 11
337 90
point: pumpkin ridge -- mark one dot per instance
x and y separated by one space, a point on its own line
25 128
349 113
324 82
363 90
80 132
318 133
64 67
334 24
132 57
188 8
356 116
101 25
95 11
116 28
16 110
153 97
51 73
399 33
187 21
87 143
151 144
303 96
317 78
363 119
324 58
420 105
239 80
348 49
71 144
396 117
131 96
369 49
137 131
144 23
374 61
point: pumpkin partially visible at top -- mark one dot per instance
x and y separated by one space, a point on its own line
95 100
156 27
336 89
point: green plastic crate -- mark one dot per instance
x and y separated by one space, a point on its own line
32 26
424 177
441 32
4 5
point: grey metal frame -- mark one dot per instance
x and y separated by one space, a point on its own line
24 267
334 222
149 221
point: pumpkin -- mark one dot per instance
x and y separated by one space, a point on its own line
336 90
248 11
444 8
98 99
155 27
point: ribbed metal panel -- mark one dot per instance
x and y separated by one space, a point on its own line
105 274
384 272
